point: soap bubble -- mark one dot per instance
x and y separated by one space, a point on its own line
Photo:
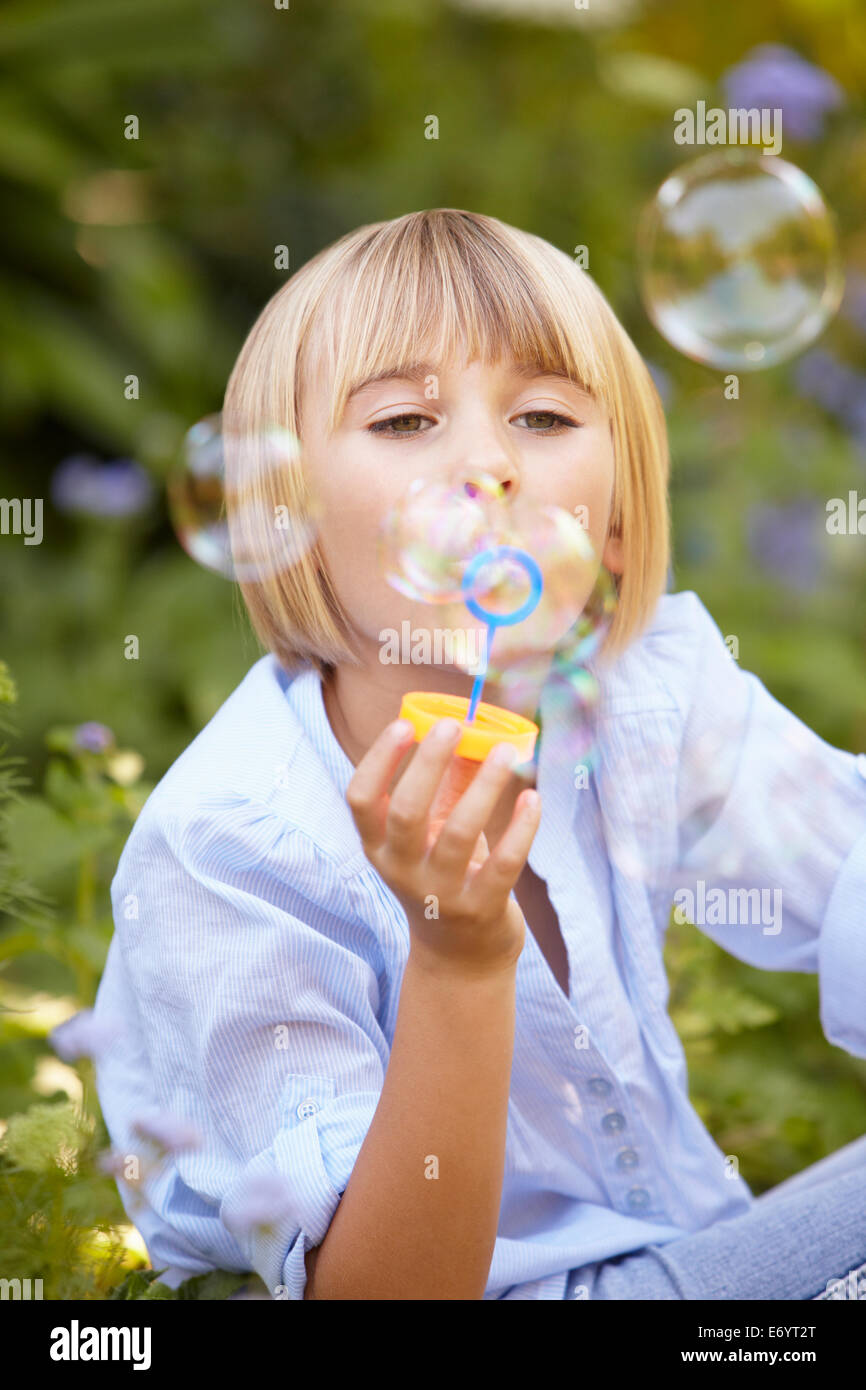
738 260
577 605
559 678
260 541
431 535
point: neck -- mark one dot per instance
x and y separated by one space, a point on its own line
360 701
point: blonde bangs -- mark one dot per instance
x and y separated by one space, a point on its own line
452 286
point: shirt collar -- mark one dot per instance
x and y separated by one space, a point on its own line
304 694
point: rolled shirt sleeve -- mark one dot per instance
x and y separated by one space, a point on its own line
313 1152
771 857
251 992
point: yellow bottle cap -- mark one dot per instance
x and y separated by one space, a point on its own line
491 724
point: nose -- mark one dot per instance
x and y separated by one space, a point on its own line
489 473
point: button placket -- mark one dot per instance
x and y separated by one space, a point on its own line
619 1166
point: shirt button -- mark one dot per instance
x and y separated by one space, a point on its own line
627 1158
306 1108
612 1122
638 1198
598 1086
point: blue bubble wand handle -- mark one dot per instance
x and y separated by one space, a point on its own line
495 620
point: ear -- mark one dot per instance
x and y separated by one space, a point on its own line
612 556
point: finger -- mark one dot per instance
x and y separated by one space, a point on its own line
366 794
459 833
406 823
499 873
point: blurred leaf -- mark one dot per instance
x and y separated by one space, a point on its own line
650 79
47 841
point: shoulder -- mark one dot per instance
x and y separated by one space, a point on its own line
662 668
250 787
242 747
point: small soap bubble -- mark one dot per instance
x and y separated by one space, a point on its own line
738 260
434 531
217 466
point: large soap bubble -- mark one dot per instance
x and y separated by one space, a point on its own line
738 260
217 464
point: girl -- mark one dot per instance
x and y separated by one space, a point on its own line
318 1081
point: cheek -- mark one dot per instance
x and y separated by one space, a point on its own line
598 490
349 543
352 504
348 537
587 497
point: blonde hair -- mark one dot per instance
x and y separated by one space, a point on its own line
430 286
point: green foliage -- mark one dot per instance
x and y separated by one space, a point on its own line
61 1217
58 1213
763 1078
217 1284
40 1139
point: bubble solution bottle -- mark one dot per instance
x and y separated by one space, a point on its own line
483 728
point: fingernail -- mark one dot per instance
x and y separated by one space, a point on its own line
401 729
503 755
446 730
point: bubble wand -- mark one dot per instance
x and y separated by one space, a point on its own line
484 725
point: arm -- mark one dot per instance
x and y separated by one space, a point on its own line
772 836
399 1233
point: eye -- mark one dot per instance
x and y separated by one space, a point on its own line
561 421
389 430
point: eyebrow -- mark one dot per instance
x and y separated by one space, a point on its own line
418 371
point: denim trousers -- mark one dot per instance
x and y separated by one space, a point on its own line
804 1239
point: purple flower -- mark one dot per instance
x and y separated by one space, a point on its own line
83 484
267 1200
785 541
834 385
83 1035
853 304
772 76
172 1133
93 737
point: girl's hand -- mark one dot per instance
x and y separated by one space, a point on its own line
479 928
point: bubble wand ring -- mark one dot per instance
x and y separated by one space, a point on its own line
536 584
484 725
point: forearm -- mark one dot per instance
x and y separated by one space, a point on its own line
419 1215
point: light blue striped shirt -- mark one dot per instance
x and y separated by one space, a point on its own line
257 960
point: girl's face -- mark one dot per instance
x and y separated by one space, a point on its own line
538 435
